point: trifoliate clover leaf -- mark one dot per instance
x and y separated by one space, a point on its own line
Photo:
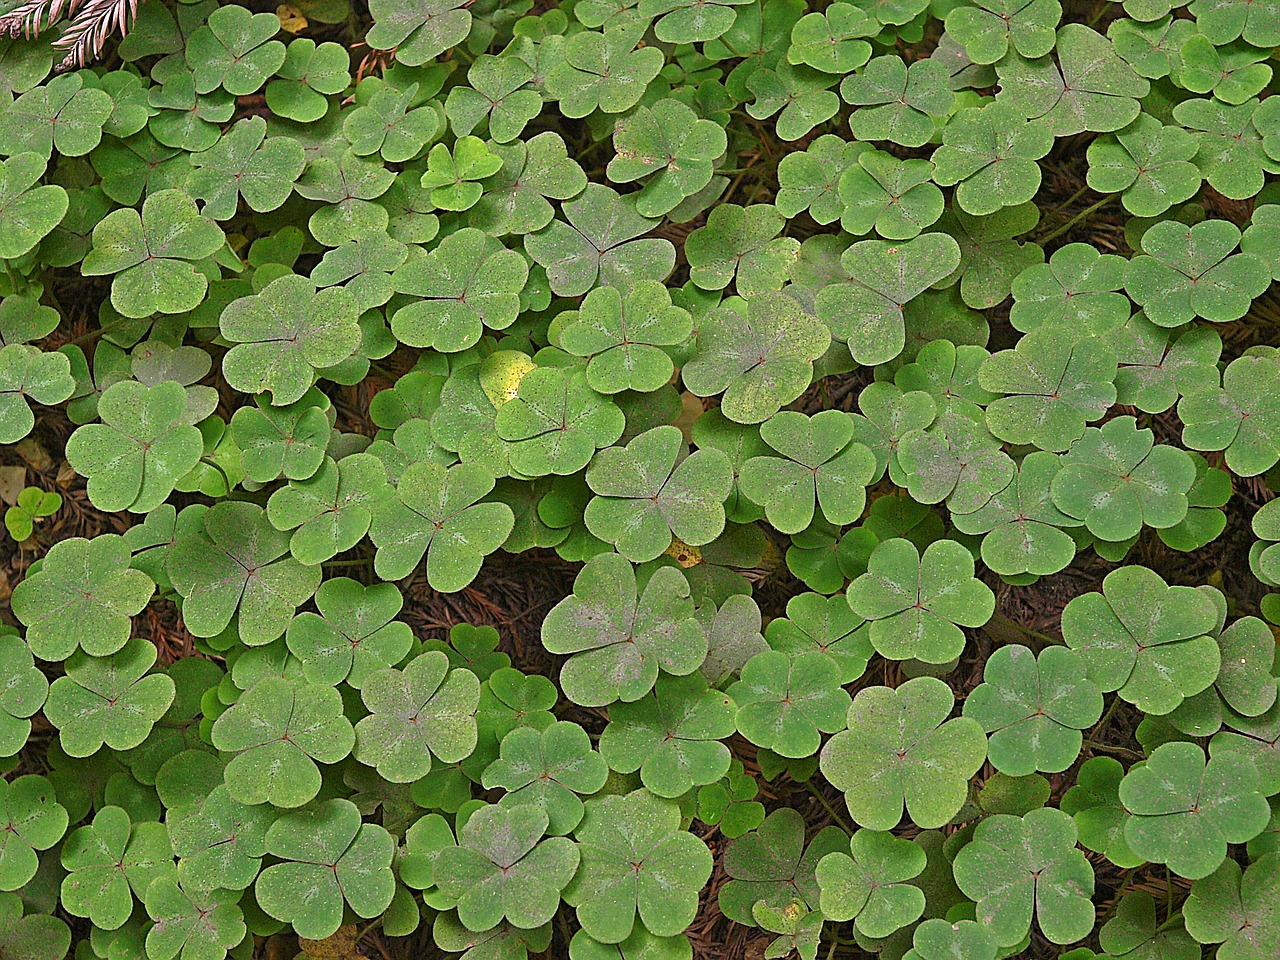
453 178
310 73
31 820
502 869
246 164
603 244
1136 932
153 254
1221 21
1116 479
619 635
671 736
1189 272
284 334
1158 364
1233 72
1094 803
900 749
436 513
810 180
1034 709
515 198
867 312
194 926
938 939
988 28
27 374
422 711
419 30
1204 521
730 803
800 92
354 634
815 623
1241 417
25 320
328 858
347 187
786 701
1145 639
37 936
1237 909
1185 811
84 595
773 866
278 731
236 561
24 693
1017 867
330 512
221 843
556 422
1054 384
761 361
1077 289
142 448
869 885
603 70
916 603
31 211
627 336
671 146
689 21
833 41
109 699
990 156
990 256
1088 88
1230 155
637 865
109 862
468 282
185 120
887 414
741 244
235 50
1149 163
495 92
1022 528
62 115
652 490
498 943
390 124
275 441
956 460
1254 739
950 375
550 769
895 197
898 103
733 637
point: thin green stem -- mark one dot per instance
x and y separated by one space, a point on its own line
1077 218
840 821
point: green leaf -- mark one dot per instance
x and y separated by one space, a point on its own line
153 254
502 869
866 313
895 197
956 460
221 843
436 514
83 596
330 512
1116 478
1230 155
422 711
199 926
108 699
286 333
619 634
1189 272
496 92
556 422
275 441
825 625
810 180
385 124
1094 803
1241 417
1034 709
24 693
516 197
653 490
246 164
419 30
689 21
1158 365
452 178
603 71
602 244
741 244
1185 811
895 102
62 115
235 50
672 148
936 939
787 701
278 730
31 820
833 41
1145 639
1053 383
550 769
990 156
30 211
353 635
236 562
1236 909
37 936
869 885
900 749
28 374
109 862
308 75
1075 289
1017 867
772 865
1136 931
610 892
761 361
329 858
988 28
1222 21
628 337
799 92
